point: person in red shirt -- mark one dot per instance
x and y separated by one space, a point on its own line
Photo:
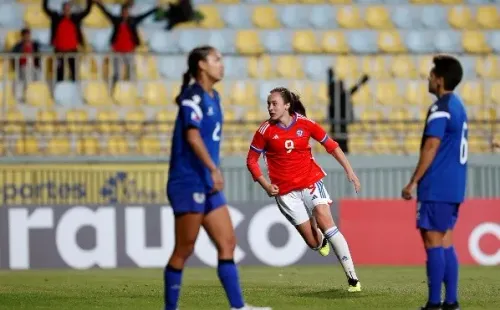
125 37
66 35
26 66
296 178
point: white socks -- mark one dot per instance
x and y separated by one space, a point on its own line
341 249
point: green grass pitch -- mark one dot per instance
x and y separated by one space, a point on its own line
290 288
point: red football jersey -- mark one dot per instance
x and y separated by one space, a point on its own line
288 154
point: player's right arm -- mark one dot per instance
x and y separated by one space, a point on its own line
192 116
256 148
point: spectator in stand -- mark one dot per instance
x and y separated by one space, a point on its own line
66 34
27 67
125 37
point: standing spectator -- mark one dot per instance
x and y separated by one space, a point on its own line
125 37
27 67
66 34
341 111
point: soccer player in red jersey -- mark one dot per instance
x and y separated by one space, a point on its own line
296 178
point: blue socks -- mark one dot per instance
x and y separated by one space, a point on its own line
228 276
435 273
451 275
172 280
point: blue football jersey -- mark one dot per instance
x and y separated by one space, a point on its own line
445 179
197 110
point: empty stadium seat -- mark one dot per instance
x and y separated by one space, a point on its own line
67 94
390 42
88 146
265 17
488 17
47 121
349 17
475 42
460 17
108 122
146 67
305 42
154 93
96 94
35 18
376 66
38 94
494 41
320 16
289 67
472 93
149 146
346 67
295 16
405 17
134 121
260 67
77 121
363 96
314 67
424 65
403 67
12 38
58 146
243 94
363 41
165 120
125 94
27 146
387 93
433 16
378 17
334 42
237 16
88 68
7 97
11 15
419 41
117 146
212 17
278 41
448 41
414 92
494 94
96 18
248 42
164 42
15 121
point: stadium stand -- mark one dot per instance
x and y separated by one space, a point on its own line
266 44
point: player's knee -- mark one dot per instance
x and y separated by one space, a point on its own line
184 250
226 244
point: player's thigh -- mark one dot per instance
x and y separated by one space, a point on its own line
217 222
318 201
436 216
292 206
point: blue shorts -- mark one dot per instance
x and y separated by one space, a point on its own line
437 216
192 201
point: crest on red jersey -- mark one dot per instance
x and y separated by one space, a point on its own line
300 133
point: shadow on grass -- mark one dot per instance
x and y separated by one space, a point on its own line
334 293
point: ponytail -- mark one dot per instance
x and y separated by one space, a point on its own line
186 78
296 106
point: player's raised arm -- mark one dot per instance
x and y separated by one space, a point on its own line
332 147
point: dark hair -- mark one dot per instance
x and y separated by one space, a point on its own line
195 56
25 31
448 68
296 106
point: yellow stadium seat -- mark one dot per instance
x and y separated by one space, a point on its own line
424 66
340 1
155 93
387 93
384 145
357 145
371 115
346 67
212 17
146 67
475 42
390 42
363 96
15 121
403 66
87 146
305 42
117 146
289 67
312 1
488 17
149 146
472 93
260 67
334 42
38 94
412 144
422 1
134 121
227 1
96 19
265 17
460 17
173 89
108 122
378 17
349 17
165 121
78 121
88 68
488 66
248 42
46 121
12 38
494 93
306 92
125 94
284 1
320 94
376 66
27 146
35 18
58 146
5 69
478 144
400 116
451 1
243 94
7 97
96 94
415 91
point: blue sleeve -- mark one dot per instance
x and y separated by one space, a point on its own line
437 121
191 111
